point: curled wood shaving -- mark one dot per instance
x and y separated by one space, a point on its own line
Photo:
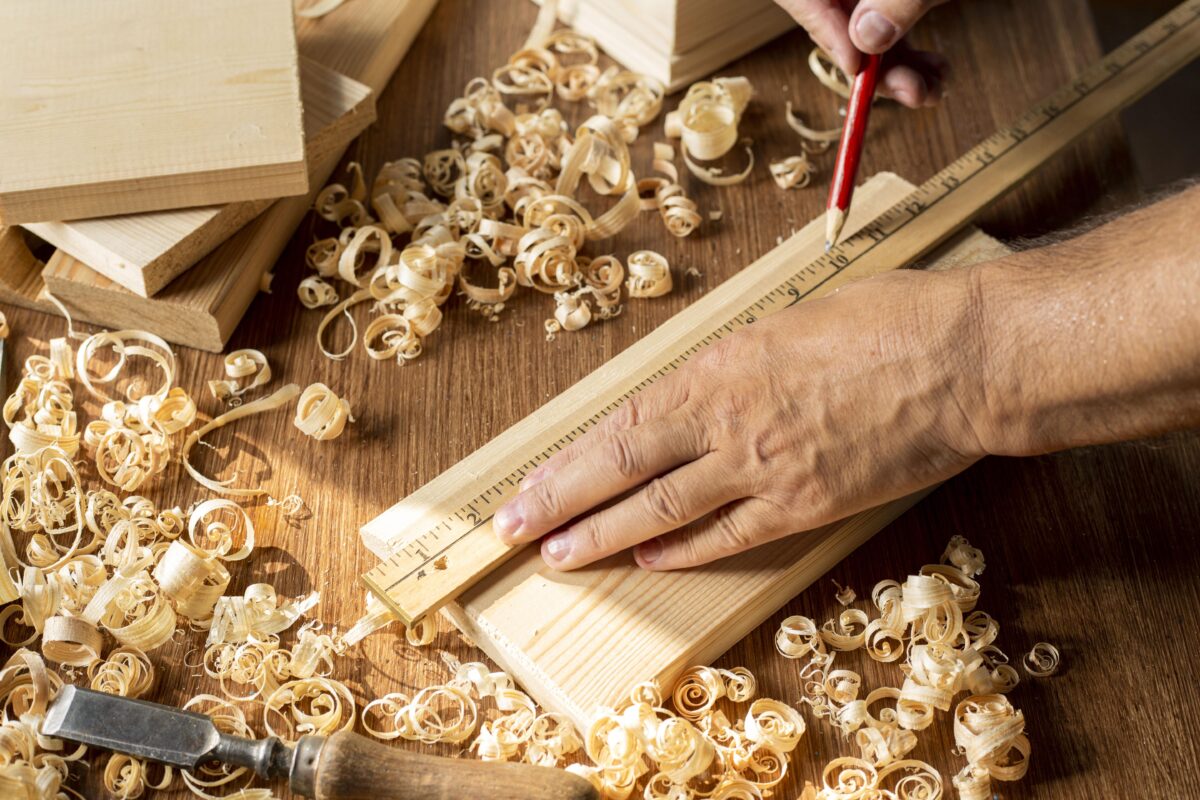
126 672
828 73
256 615
277 400
811 139
1042 660
241 364
4 329
794 172
678 211
319 9
649 274
309 706
707 121
315 292
321 414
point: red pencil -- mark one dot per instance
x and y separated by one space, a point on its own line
862 92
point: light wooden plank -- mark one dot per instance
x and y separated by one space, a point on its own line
145 252
137 105
366 40
20 272
581 639
677 41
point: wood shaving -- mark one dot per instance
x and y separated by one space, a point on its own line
649 274
321 414
277 400
240 364
318 9
930 622
811 139
505 198
315 292
706 123
1042 660
794 172
845 594
828 73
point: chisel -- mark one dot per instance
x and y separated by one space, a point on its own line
344 766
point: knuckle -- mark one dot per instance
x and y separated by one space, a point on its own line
730 406
593 536
627 414
664 503
621 455
546 501
732 534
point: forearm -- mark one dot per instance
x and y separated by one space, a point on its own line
1093 340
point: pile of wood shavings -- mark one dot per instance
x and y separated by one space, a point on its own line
84 570
948 648
501 208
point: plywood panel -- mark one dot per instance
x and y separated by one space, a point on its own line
136 105
144 252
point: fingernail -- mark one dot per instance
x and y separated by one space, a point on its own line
532 479
558 546
649 552
875 31
508 520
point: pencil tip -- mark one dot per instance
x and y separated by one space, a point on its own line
828 245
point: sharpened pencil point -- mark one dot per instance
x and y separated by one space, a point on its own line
828 245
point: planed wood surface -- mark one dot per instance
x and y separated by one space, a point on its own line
201 308
135 105
585 639
676 41
144 252
1094 550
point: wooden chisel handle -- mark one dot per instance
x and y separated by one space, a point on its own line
347 766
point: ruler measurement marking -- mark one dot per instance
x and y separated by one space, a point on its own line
944 184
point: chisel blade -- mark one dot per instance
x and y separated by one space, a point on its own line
182 739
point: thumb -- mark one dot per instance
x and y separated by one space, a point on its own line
876 25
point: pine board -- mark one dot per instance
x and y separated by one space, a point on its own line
676 41
366 40
583 639
95 99
20 272
144 252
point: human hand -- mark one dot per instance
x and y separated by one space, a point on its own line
847 28
803 418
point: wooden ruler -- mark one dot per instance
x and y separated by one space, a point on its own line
439 541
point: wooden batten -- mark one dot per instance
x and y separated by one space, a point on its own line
581 639
128 106
366 41
145 252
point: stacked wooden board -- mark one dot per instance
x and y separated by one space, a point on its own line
676 41
190 274
582 639
130 105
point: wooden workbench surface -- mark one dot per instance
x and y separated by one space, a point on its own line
1092 550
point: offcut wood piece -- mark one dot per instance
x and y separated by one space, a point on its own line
581 639
676 41
365 40
20 272
138 105
144 252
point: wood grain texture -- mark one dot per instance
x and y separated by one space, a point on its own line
558 633
201 307
145 252
677 41
20 272
352 767
1094 550
135 105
